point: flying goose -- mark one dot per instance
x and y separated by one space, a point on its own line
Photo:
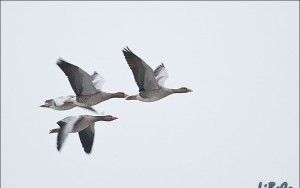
84 125
69 102
64 103
150 83
88 88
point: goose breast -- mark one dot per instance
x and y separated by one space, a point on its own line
153 95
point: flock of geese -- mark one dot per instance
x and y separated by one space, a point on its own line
88 92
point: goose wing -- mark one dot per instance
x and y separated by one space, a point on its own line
161 74
66 127
143 73
87 138
98 80
80 81
59 101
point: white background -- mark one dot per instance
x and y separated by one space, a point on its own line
240 126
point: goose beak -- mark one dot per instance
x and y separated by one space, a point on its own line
114 118
189 90
45 105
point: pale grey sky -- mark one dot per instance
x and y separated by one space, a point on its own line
240 126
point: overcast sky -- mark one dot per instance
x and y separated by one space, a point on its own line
240 126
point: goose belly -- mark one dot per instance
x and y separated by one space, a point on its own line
81 126
89 100
152 95
148 99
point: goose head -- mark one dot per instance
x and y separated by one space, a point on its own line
182 90
48 104
106 118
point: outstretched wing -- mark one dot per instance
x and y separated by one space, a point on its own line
80 81
143 74
161 74
87 138
66 127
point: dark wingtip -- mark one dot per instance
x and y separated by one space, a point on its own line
161 65
89 108
58 147
87 151
60 61
126 49
61 123
64 65
93 110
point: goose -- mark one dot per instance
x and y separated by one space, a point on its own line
64 103
84 125
150 83
60 103
69 102
88 88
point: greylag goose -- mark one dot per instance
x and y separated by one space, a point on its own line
150 83
88 88
69 102
64 103
84 125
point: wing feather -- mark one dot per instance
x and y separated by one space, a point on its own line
98 80
161 74
66 127
143 73
80 81
87 138
59 101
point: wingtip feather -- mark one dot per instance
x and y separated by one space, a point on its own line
60 61
61 123
126 50
58 147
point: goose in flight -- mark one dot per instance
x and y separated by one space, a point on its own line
88 88
69 102
84 125
60 103
150 83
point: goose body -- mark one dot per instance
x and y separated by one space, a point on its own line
64 103
84 125
153 95
88 88
93 99
150 83
70 101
